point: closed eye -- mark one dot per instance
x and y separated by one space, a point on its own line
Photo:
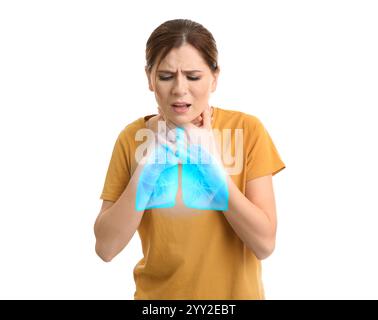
170 77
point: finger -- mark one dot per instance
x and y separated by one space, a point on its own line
159 118
170 125
170 145
198 119
152 122
188 126
206 115
190 130
162 114
197 122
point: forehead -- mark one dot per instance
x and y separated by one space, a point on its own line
185 57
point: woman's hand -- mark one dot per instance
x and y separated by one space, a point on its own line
158 182
199 122
200 131
164 136
204 181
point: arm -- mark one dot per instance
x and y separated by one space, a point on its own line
253 216
117 222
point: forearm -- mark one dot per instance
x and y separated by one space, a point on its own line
115 227
249 222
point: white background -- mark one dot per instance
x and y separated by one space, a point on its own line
72 76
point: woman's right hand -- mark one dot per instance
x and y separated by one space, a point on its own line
158 181
165 132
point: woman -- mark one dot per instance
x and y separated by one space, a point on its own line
189 252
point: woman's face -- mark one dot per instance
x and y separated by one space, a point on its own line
182 76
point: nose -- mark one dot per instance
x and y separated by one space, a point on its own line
179 86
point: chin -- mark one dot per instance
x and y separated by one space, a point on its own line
181 120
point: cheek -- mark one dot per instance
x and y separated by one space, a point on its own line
161 89
201 92
161 97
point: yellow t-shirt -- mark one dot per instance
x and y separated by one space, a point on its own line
196 256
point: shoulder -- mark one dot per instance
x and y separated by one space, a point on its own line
129 131
239 119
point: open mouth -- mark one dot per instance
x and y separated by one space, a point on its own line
180 108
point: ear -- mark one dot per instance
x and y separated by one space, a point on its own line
215 80
148 74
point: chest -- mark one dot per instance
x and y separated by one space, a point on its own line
179 207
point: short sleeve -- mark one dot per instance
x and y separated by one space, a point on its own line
262 155
118 174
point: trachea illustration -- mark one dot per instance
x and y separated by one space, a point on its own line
204 184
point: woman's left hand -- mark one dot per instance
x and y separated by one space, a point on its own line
200 131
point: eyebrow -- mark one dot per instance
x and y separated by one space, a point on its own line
185 71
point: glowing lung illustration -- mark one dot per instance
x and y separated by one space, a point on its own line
204 184
158 183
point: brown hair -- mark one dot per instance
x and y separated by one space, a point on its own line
175 33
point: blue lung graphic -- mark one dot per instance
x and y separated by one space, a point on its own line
204 184
158 183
